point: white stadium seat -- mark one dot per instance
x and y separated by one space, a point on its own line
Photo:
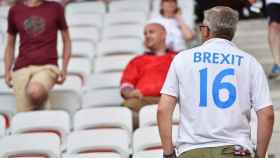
148 115
84 49
57 122
4 11
80 67
42 145
2 126
149 154
102 98
107 117
148 138
67 96
102 140
105 80
123 31
85 20
124 18
116 63
128 5
112 46
90 34
94 155
85 8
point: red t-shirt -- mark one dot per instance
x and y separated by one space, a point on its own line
147 73
37 28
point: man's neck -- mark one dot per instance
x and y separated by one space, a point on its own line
160 51
32 3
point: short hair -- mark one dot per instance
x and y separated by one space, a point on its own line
157 24
222 21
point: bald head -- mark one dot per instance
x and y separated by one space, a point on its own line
154 36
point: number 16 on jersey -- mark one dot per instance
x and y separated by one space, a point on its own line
216 86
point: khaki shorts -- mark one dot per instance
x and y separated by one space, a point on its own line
212 152
45 75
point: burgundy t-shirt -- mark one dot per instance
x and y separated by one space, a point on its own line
37 28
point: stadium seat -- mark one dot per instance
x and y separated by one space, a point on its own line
85 20
110 64
4 11
273 148
105 80
68 96
85 8
102 98
112 46
123 31
80 67
147 138
90 34
149 154
276 127
8 102
124 18
99 141
148 116
128 5
39 145
84 49
2 126
57 122
2 69
106 117
94 155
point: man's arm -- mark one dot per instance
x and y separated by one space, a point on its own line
264 130
66 55
165 110
9 58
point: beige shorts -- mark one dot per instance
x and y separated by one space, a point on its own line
45 75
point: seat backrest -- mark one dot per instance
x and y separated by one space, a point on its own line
123 31
112 46
102 98
2 126
115 63
57 122
45 145
148 115
103 117
149 154
85 8
94 155
105 80
85 20
128 5
90 34
124 18
102 140
4 10
147 138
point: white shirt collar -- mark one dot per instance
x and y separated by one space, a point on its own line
219 40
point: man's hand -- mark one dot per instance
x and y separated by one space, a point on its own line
8 79
135 94
61 77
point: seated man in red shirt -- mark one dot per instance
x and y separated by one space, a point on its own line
144 76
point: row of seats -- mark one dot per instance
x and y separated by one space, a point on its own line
94 130
99 130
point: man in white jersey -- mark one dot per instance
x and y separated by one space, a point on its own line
216 85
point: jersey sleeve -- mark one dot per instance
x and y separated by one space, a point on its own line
171 84
260 94
61 21
12 30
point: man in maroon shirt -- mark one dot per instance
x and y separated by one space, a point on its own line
35 70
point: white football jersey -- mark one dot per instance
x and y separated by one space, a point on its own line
216 85
272 1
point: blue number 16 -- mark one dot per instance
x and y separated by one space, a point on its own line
217 86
